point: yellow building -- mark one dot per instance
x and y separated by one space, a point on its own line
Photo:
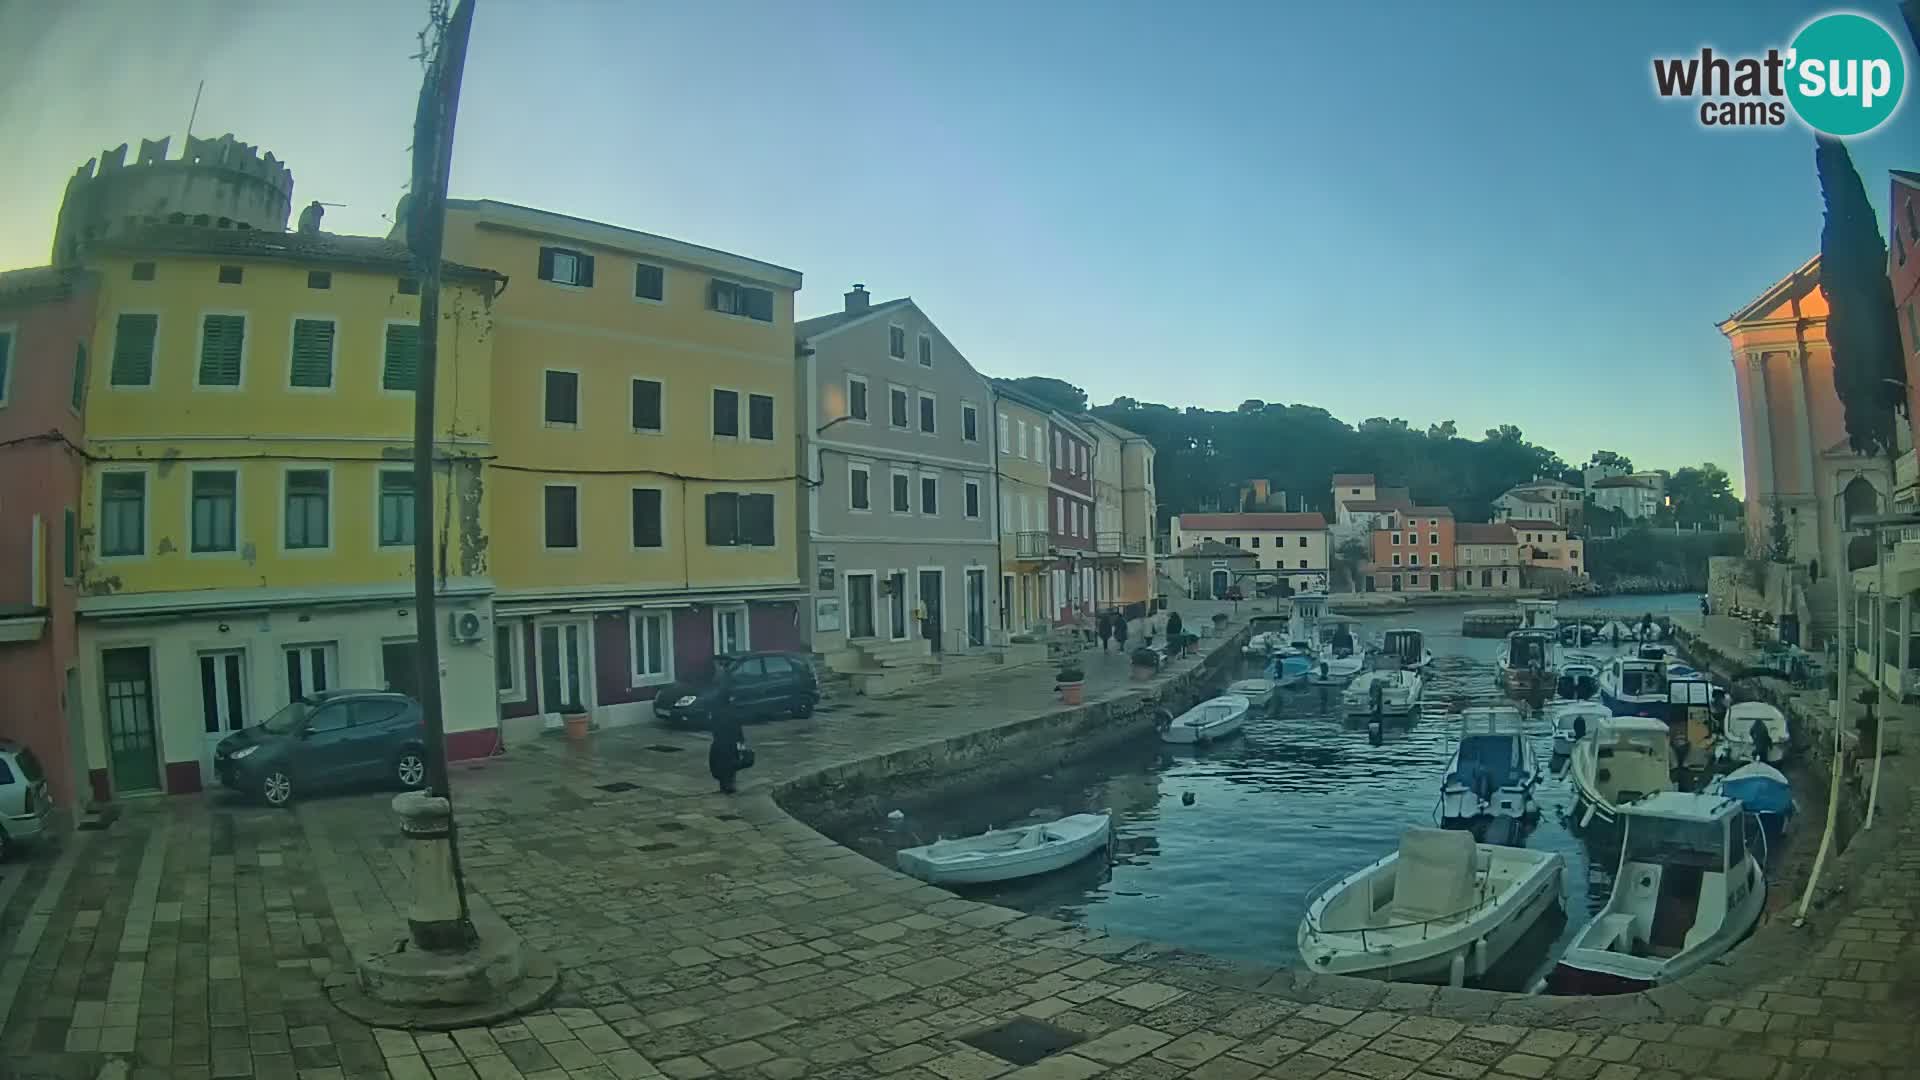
1026 549
246 513
647 466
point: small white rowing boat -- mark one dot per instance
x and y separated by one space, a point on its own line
1441 909
1572 720
1004 854
1214 718
1400 691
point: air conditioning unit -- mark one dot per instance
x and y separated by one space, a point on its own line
464 626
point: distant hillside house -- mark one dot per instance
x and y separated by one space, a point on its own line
1412 551
1486 556
1637 495
1208 569
1549 499
1360 506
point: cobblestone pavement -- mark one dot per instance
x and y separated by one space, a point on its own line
707 936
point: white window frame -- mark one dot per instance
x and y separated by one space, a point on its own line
971 489
579 541
920 399
866 469
572 280
153 366
333 508
146 513
1413 558
1020 447
873 604
199 347
635 676
746 629
579 398
938 493
912 421
891 327
662 384
293 329
965 408
378 472
637 298
517 649
892 505
1059 451
380 363
923 347
1001 428
239 512
867 420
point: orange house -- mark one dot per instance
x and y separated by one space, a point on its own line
1413 551
1793 434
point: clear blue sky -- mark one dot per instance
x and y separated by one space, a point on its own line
1402 209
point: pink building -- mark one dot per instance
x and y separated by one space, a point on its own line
46 321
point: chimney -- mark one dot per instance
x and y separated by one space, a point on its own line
857 299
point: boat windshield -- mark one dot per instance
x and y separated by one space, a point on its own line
1643 681
1497 755
1674 842
1527 651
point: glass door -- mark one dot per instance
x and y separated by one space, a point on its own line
132 746
311 669
566 666
976 606
223 698
931 589
897 605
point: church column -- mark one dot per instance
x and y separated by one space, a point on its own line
1802 423
1762 423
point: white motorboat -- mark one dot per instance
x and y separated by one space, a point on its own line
1528 662
1539 614
1406 647
1687 891
1399 689
1571 721
1736 744
1493 773
1338 654
1214 718
1623 758
1440 909
1265 642
1579 678
1004 854
1631 686
1258 690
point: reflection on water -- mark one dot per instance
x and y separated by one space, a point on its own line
1217 849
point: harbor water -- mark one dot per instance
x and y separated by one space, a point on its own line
1217 849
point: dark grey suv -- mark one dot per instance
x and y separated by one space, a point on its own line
746 686
331 739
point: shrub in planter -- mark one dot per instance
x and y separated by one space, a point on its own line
1145 663
1069 680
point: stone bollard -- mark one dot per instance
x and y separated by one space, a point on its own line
434 915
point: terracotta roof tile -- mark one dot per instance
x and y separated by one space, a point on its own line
1256 522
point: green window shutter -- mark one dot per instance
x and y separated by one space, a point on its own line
221 337
69 545
79 377
133 350
402 368
312 352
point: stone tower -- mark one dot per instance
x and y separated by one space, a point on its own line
218 183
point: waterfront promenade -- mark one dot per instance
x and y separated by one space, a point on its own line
706 936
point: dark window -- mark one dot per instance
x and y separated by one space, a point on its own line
563 397
565 266
858 495
735 520
926 414
330 718
396 508
143 271
401 368
307 498
646 517
123 514
312 364
759 416
563 523
973 500
902 494
319 279
1303 564
69 544
214 494
646 405
222 338
897 342
969 423
898 400
926 351
409 286
729 298
1303 541
649 282
930 495
726 413
230 275
133 350
857 392
1233 541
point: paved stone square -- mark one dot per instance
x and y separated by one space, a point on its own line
707 936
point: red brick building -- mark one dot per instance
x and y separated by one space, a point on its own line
1413 551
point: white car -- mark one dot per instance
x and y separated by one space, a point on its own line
25 804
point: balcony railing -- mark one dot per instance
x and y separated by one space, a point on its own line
1032 545
1115 543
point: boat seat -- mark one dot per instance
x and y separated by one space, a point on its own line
1434 875
1614 933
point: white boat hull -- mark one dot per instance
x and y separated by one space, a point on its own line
1006 854
1258 692
1213 719
1584 969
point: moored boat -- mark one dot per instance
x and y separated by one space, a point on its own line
1764 793
1687 891
1578 678
1528 663
1005 854
1406 647
1571 722
1399 690
1631 686
1736 744
1214 718
1623 758
1440 909
1493 772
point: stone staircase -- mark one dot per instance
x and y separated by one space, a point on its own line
1822 614
886 668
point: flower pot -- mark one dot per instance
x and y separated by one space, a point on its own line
1072 692
579 725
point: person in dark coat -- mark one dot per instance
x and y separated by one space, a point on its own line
1106 629
1120 631
1176 644
1762 739
723 756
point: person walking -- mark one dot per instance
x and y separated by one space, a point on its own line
1762 740
1105 622
1120 631
1176 641
728 753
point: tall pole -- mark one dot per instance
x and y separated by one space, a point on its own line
426 227
1841 587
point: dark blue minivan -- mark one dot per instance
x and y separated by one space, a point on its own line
335 738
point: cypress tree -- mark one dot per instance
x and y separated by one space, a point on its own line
1869 373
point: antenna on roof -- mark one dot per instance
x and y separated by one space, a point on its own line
191 116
